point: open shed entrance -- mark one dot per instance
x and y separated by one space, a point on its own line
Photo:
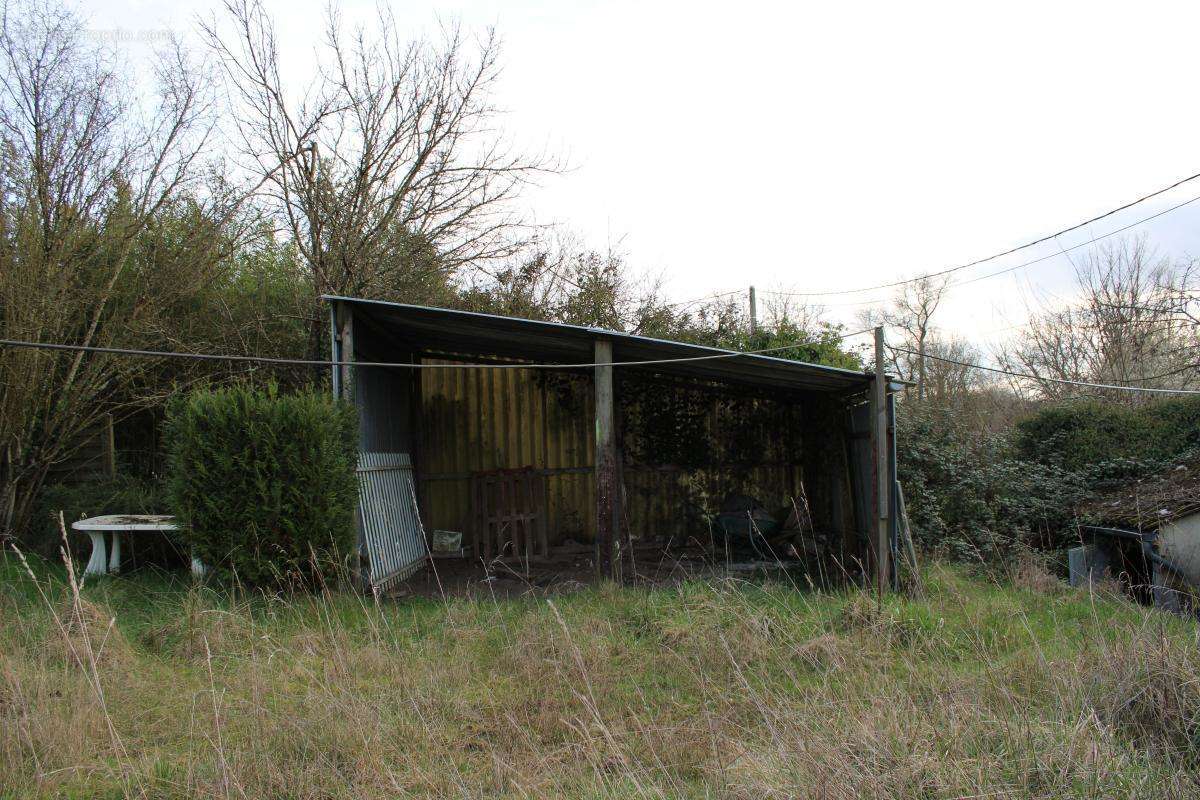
737 457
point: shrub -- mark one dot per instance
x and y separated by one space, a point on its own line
1109 440
264 484
971 495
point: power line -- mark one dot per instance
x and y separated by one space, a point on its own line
1012 250
1006 270
1064 251
689 303
305 362
1085 384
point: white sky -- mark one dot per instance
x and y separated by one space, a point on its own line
829 145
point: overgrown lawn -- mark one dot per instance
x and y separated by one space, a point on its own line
149 687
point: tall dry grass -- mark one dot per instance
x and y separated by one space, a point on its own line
720 689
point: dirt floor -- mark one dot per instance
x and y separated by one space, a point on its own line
570 569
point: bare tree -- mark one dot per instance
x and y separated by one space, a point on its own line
911 315
947 381
1134 323
783 307
82 180
386 172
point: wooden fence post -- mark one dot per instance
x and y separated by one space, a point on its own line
883 476
606 464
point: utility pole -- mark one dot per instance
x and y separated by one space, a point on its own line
753 312
879 441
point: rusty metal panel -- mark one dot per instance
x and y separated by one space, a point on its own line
389 524
480 420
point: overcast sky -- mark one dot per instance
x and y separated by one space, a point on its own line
829 146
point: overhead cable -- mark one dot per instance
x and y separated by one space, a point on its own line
1012 250
1006 270
1063 381
306 362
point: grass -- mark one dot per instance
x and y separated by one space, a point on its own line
146 686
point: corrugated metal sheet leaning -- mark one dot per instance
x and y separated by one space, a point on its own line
389 526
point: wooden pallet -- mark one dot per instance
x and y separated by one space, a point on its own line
508 514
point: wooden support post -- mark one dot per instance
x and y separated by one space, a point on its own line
883 476
607 523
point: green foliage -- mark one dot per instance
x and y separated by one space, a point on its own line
698 425
971 495
820 345
264 483
122 495
1110 440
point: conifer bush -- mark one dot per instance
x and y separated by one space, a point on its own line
264 483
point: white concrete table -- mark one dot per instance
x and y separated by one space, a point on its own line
102 562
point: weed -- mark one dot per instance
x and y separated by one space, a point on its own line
985 687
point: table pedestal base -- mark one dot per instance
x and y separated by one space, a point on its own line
98 563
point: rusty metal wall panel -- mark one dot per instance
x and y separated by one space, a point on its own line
389 525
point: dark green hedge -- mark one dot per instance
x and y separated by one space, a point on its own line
1110 441
983 495
263 483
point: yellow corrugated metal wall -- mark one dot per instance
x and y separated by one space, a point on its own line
483 419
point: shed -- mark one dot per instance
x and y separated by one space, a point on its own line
1146 533
529 436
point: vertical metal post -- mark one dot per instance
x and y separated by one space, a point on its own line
883 476
346 376
335 351
606 463
753 311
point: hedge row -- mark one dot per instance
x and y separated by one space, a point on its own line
264 484
1081 435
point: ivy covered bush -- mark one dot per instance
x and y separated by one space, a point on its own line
264 483
974 496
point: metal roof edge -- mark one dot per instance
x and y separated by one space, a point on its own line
617 335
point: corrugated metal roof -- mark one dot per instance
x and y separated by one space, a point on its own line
1151 502
441 331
